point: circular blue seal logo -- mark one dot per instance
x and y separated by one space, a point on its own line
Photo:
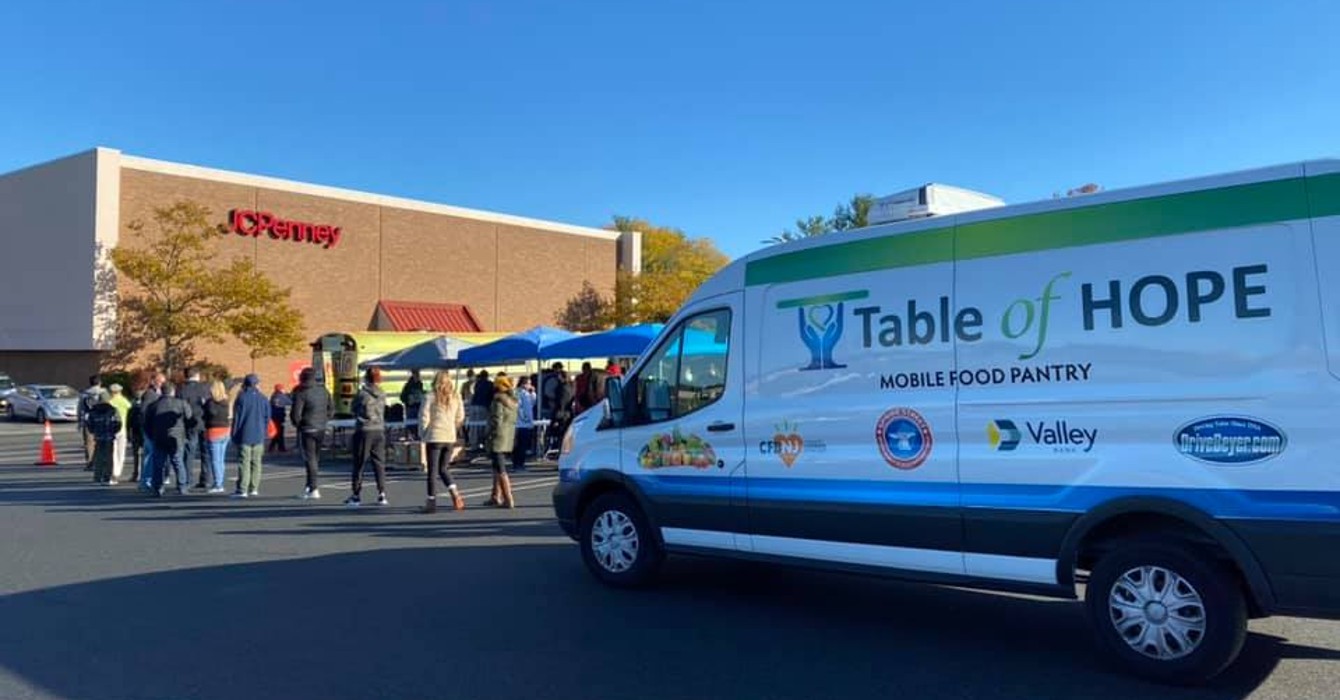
904 438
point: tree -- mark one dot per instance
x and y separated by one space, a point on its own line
673 265
853 214
586 312
181 298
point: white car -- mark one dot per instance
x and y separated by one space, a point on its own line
43 402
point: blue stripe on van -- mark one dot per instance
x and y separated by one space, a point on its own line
1222 503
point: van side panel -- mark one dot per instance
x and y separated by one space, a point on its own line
1189 367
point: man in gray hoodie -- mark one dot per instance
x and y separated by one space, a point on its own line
369 437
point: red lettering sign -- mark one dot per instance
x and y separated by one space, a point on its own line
248 222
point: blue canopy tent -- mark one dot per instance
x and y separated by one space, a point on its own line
533 344
628 341
438 353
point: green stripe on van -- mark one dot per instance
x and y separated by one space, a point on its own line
1169 215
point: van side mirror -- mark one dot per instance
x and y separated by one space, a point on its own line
615 400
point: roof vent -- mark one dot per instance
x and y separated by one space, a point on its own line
929 200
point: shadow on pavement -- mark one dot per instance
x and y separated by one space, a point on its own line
526 621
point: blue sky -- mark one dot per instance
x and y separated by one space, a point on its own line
726 119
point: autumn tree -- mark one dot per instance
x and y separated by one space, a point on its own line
853 214
181 297
586 312
673 265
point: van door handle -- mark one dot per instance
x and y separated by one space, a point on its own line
720 427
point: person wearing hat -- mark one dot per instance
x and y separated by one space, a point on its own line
369 441
103 423
251 417
502 440
119 401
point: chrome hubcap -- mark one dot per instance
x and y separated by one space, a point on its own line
614 541
1158 613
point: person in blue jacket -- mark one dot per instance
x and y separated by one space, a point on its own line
251 416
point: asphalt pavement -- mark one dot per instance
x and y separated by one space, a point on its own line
105 593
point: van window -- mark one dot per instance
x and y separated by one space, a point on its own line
688 371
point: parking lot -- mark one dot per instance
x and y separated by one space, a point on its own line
108 594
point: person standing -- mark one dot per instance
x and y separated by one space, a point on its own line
122 406
563 395
166 421
87 401
411 397
218 425
311 412
279 405
481 398
369 437
441 418
251 415
525 424
582 389
549 391
104 424
150 396
502 439
195 393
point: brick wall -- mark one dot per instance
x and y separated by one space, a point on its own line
511 277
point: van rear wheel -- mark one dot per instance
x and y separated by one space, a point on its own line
1167 612
618 545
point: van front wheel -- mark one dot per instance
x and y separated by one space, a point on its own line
1167 612
617 543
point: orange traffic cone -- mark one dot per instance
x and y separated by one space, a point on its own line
48 456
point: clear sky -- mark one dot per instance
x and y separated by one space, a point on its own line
726 119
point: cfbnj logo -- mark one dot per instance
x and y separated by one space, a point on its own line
1230 440
1003 435
821 320
904 438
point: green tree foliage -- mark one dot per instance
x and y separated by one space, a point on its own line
853 214
182 299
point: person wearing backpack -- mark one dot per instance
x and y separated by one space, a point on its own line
103 422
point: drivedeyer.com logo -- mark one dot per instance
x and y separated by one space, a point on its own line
1060 435
821 320
904 438
1230 440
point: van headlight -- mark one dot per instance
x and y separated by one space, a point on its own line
565 446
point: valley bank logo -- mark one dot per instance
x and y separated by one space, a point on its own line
1003 435
1229 440
904 438
820 319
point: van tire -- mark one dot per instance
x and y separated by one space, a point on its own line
1213 617
632 555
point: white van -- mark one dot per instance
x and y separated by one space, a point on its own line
1132 390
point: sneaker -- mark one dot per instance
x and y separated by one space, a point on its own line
315 495
239 494
112 482
253 493
353 502
216 489
381 500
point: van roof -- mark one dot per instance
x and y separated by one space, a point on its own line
1225 200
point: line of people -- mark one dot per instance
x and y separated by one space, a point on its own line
167 427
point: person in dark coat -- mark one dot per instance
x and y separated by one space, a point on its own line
411 397
251 415
369 437
196 393
153 391
280 402
103 422
165 420
311 413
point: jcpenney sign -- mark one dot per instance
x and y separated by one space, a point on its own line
248 222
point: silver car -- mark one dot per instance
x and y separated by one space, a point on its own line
43 402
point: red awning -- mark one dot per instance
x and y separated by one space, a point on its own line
412 316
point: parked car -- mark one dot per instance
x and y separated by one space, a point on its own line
43 402
6 388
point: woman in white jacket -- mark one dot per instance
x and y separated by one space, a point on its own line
440 420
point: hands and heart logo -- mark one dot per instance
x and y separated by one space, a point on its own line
820 319
789 443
